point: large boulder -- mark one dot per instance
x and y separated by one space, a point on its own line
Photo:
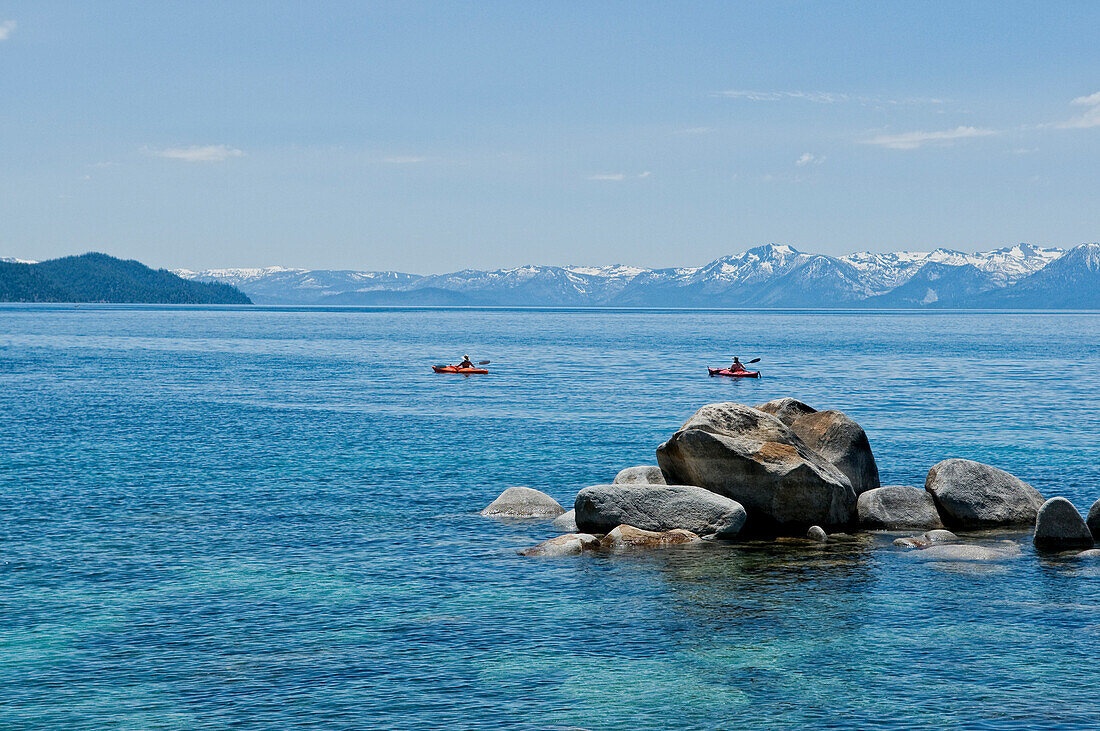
967 552
641 475
842 441
755 459
658 507
627 536
786 409
897 507
1059 525
926 539
569 544
973 495
1093 520
567 521
523 502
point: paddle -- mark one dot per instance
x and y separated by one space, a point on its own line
480 362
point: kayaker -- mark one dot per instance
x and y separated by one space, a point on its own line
466 362
737 365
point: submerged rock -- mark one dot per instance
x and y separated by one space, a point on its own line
641 475
970 494
755 459
817 533
967 552
927 539
786 409
1094 520
658 507
627 536
1059 525
897 507
841 441
1092 554
567 521
570 544
523 502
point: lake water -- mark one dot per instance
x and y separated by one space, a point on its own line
266 518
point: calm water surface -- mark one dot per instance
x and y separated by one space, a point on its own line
262 518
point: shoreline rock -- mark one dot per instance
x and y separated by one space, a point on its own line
640 475
753 458
972 495
1059 525
567 521
600 508
627 536
523 502
897 507
570 544
843 443
1093 520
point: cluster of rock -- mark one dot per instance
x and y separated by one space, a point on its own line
784 468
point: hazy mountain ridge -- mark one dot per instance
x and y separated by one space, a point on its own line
766 276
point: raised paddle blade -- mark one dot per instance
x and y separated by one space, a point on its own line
483 362
754 360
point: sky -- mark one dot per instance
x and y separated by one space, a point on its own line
433 137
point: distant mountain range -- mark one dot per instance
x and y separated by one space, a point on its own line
102 278
1021 276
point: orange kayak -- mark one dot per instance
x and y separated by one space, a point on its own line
456 369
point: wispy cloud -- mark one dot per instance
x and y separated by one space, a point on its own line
821 97
198 153
7 27
1088 118
808 158
913 140
818 97
404 159
619 177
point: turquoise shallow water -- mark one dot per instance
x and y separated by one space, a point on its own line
266 518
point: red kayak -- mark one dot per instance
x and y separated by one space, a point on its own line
456 369
733 374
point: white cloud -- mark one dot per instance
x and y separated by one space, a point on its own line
404 159
807 158
7 27
1089 118
818 97
913 140
198 153
619 177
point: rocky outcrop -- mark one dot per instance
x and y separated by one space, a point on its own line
567 521
570 544
523 502
897 507
1059 525
786 409
817 533
924 540
973 495
627 536
967 552
755 459
641 475
841 441
658 508
1093 520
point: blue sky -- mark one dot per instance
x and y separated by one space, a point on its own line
435 137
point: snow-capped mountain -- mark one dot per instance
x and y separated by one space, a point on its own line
774 275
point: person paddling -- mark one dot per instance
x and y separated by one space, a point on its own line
737 365
466 362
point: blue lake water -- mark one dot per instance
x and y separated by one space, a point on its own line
266 518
